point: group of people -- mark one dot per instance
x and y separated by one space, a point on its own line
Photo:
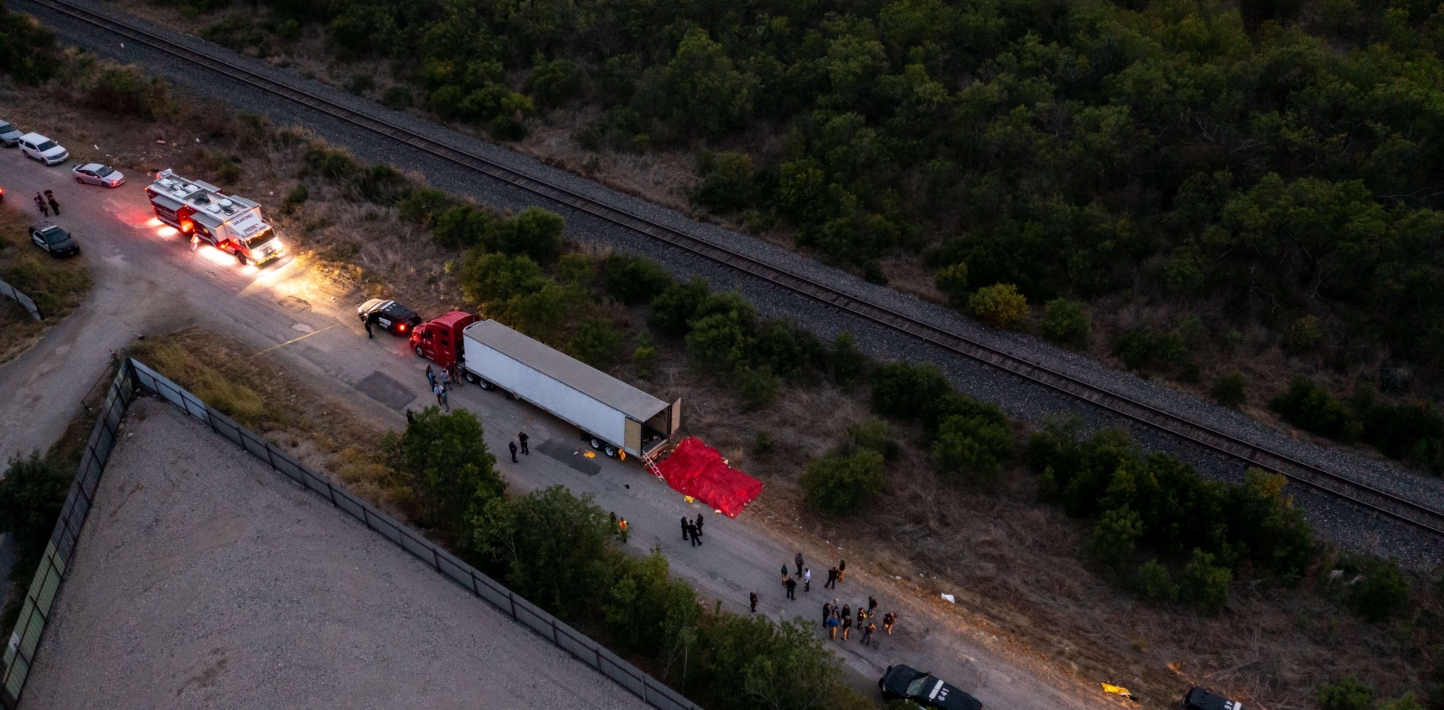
522 439
619 525
804 575
834 618
440 383
692 530
47 204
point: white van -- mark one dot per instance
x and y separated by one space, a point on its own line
38 147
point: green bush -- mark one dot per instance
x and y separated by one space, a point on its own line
905 391
727 182
535 233
576 271
634 279
973 449
334 164
422 205
126 91
1114 538
1205 584
840 484
873 434
1154 582
31 496
1404 702
848 365
295 198
1410 431
674 308
382 185
953 282
999 305
597 343
757 387
549 545
644 357
396 97
443 460
1347 693
488 277
27 49
554 83
1065 323
460 227
720 342
1381 595
1230 390
1145 346
1312 407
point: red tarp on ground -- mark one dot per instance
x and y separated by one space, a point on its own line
697 470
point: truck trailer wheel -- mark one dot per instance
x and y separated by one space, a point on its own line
596 443
610 451
419 353
470 377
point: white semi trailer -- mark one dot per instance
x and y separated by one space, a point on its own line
615 417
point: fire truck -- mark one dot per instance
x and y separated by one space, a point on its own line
229 222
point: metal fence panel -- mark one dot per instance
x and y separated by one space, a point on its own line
580 646
19 296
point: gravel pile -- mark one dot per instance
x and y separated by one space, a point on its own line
1346 525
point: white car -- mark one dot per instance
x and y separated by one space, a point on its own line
97 174
9 135
38 147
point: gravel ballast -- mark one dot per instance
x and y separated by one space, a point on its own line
1341 523
205 579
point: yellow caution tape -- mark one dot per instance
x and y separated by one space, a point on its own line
589 454
689 499
1116 690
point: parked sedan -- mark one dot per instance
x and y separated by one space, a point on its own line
390 315
97 174
38 147
908 683
54 240
9 135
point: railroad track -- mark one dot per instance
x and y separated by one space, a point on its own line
1361 494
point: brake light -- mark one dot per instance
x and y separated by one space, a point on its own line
187 226
403 326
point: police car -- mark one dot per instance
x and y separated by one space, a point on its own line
1200 699
390 315
908 683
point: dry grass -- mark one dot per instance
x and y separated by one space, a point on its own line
58 286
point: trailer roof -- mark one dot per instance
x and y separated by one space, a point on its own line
565 369
204 197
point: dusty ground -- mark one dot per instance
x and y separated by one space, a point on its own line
1012 562
204 579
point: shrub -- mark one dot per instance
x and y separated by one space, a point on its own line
463 226
1230 390
727 183
757 387
535 233
1263 525
634 279
597 343
973 449
422 205
31 496
1145 346
720 342
999 305
1113 539
1382 594
904 391
360 83
554 83
1204 584
953 282
791 352
333 164
1311 407
576 271
1154 582
487 277
126 91
1065 323
1412 431
841 483
381 184
295 198
548 545
644 357
848 365
873 434
443 459
1404 702
27 49
767 664
674 308
1347 693
1303 335
396 97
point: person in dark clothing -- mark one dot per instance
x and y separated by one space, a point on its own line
691 532
867 633
841 569
40 202
826 612
784 574
846 625
871 604
522 437
511 445
752 600
831 578
847 611
798 560
699 525
792 589
696 535
686 524
431 377
54 206
410 417
367 323
860 617
888 620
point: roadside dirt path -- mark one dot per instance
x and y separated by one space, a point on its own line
148 281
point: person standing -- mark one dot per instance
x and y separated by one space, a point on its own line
831 578
832 624
846 625
867 633
690 532
410 417
445 380
699 525
888 620
54 206
431 377
686 524
860 618
871 604
846 610
752 601
367 322
841 569
791 589
826 612
511 445
621 526
40 202
436 390
446 399
523 438
696 535
798 560
807 580
784 573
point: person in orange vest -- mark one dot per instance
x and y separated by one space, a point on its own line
622 526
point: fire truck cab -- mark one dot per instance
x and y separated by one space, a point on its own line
200 209
439 339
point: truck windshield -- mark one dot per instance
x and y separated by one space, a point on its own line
261 238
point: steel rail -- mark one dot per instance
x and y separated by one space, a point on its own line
1359 493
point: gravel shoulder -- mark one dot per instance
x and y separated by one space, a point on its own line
206 580
1346 526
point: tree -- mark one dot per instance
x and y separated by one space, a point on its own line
701 88
771 664
974 449
1311 407
535 233
674 308
1205 584
550 546
31 496
905 391
757 387
491 277
634 279
953 282
1114 537
1382 594
1230 390
848 365
999 305
444 461
1346 693
1065 323
554 83
727 182
1155 583
840 483
597 343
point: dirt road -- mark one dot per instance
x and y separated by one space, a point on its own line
148 281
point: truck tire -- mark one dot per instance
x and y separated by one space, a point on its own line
470 377
241 258
610 451
596 443
487 386
419 353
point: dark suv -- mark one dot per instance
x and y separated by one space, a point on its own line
54 240
1200 699
395 318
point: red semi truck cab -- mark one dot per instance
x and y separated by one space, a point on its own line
439 339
